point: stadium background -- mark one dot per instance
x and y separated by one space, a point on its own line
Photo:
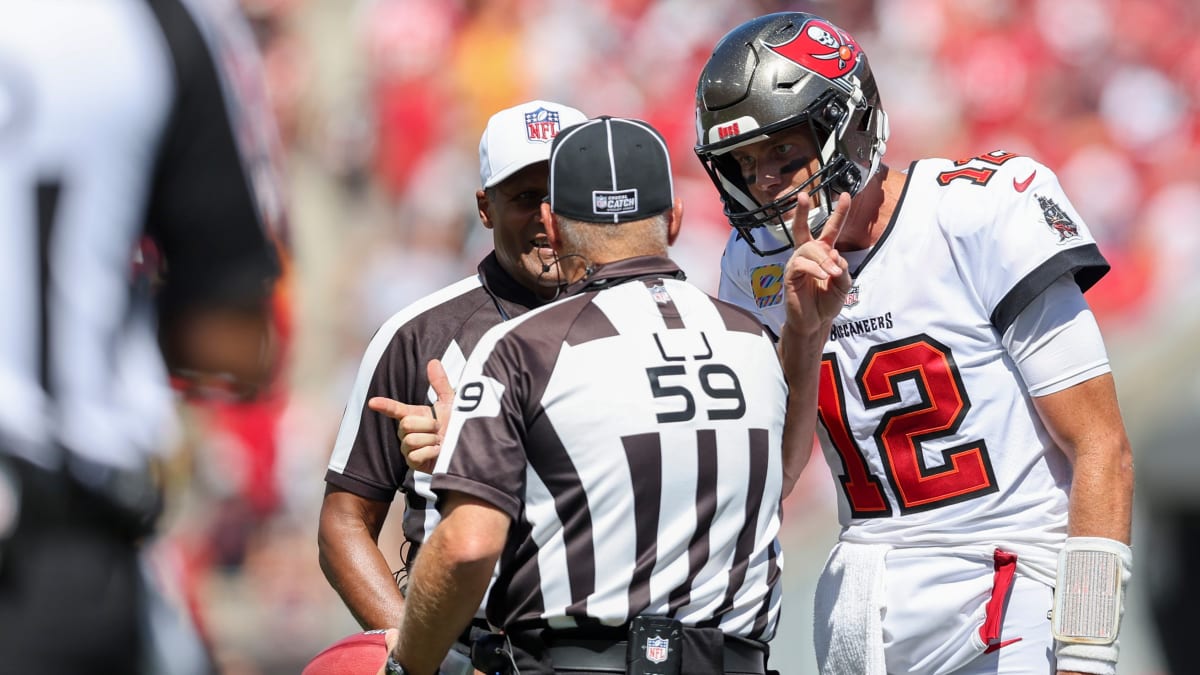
381 103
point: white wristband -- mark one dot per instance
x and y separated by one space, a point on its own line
1095 659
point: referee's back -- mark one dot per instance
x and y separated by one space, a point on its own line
633 433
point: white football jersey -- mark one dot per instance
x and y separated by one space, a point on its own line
925 422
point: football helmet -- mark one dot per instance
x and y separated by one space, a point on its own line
778 73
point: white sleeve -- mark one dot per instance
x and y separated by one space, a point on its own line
1015 234
1055 341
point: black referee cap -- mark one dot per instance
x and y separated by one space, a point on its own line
610 170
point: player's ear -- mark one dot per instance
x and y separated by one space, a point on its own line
481 201
550 222
676 221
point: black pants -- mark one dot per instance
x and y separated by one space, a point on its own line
69 585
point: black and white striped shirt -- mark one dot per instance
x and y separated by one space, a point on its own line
118 119
445 325
633 433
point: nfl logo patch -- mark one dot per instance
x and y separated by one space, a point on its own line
541 125
656 649
660 294
851 296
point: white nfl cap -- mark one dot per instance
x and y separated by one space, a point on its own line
519 136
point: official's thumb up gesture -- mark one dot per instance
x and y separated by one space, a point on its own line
421 428
817 277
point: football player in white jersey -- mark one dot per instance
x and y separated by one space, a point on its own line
935 337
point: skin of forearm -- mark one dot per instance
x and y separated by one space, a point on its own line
437 614
448 582
798 429
1102 495
1085 422
355 567
800 355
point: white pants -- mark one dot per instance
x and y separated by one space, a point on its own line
929 611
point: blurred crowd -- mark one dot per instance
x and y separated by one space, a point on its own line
381 102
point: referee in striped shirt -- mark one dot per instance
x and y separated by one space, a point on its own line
119 125
617 452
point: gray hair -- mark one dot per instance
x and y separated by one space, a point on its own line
615 240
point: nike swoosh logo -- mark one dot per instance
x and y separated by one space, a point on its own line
997 646
1021 187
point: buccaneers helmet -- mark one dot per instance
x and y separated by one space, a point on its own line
777 73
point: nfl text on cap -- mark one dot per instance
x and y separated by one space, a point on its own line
519 136
610 170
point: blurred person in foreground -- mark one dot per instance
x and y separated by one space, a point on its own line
617 452
120 125
933 322
416 356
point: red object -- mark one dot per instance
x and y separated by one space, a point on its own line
989 632
821 48
360 654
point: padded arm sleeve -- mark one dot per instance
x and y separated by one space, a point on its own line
1055 341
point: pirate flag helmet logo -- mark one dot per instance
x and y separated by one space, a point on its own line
822 48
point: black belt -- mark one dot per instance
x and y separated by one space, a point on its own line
472 631
608 656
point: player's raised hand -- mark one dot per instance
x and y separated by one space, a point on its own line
420 428
817 277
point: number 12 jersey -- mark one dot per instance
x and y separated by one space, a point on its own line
925 422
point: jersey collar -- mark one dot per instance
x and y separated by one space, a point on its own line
618 272
503 288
